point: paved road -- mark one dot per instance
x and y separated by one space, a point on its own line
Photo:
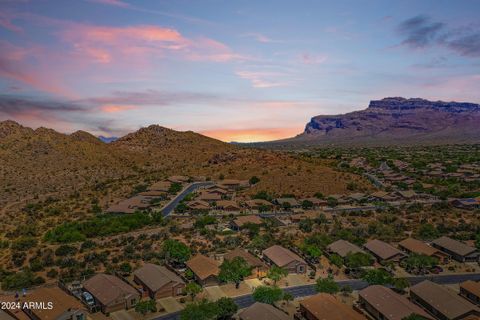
309 289
168 208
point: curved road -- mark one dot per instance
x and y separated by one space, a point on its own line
355 284
169 207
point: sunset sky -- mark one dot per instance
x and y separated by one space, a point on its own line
232 70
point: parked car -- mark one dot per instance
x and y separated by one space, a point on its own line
87 298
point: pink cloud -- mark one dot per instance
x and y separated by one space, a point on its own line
263 79
115 3
307 58
113 108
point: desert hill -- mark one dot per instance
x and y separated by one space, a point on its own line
394 121
74 170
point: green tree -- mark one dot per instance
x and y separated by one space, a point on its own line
427 232
327 285
192 289
175 188
226 308
287 296
305 225
307 204
419 262
176 251
477 240
143 307
254 180
202 310
377 276
336 260
234 270
276 273
358 260
268 295
400 283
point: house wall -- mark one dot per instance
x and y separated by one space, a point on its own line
371 310
470 296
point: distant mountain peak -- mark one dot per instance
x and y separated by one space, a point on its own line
394 120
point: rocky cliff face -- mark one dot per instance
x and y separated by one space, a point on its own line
397 120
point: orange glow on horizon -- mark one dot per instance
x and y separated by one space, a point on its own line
251 135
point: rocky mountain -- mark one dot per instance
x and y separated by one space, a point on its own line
395 121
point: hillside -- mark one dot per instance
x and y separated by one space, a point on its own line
67 173
393 121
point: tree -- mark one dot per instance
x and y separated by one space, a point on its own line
254 180
400 284
307 204
346 290
336 260
268 295
234 270
327 285
358 260
202 310
176 251
427 232
276 273
125 268
477 240
226 308
192 289
143 307
287 296
175 188
305 225
419 262
377 276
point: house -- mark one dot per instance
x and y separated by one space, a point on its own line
209 197
162 186
356 196
260 310
285 258
232 184
217 190
343 248
227 205
468 203
471 291
383 303
288 202
111 293
382 196
64 306
259 268
158 281
198 205
407 194
442 302
323 306
256 204
456 249
241 221
383 251
130 205
411 245
205 270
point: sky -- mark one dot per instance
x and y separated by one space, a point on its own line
233 70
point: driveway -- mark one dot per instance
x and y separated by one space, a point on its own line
170 304
121 315
214 293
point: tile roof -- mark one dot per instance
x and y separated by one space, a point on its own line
417 246
471 286
281 256
325 307
259 311
109 289
155 276
442 299
203 267
343 247
455 246
390 304
382 249
251 259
